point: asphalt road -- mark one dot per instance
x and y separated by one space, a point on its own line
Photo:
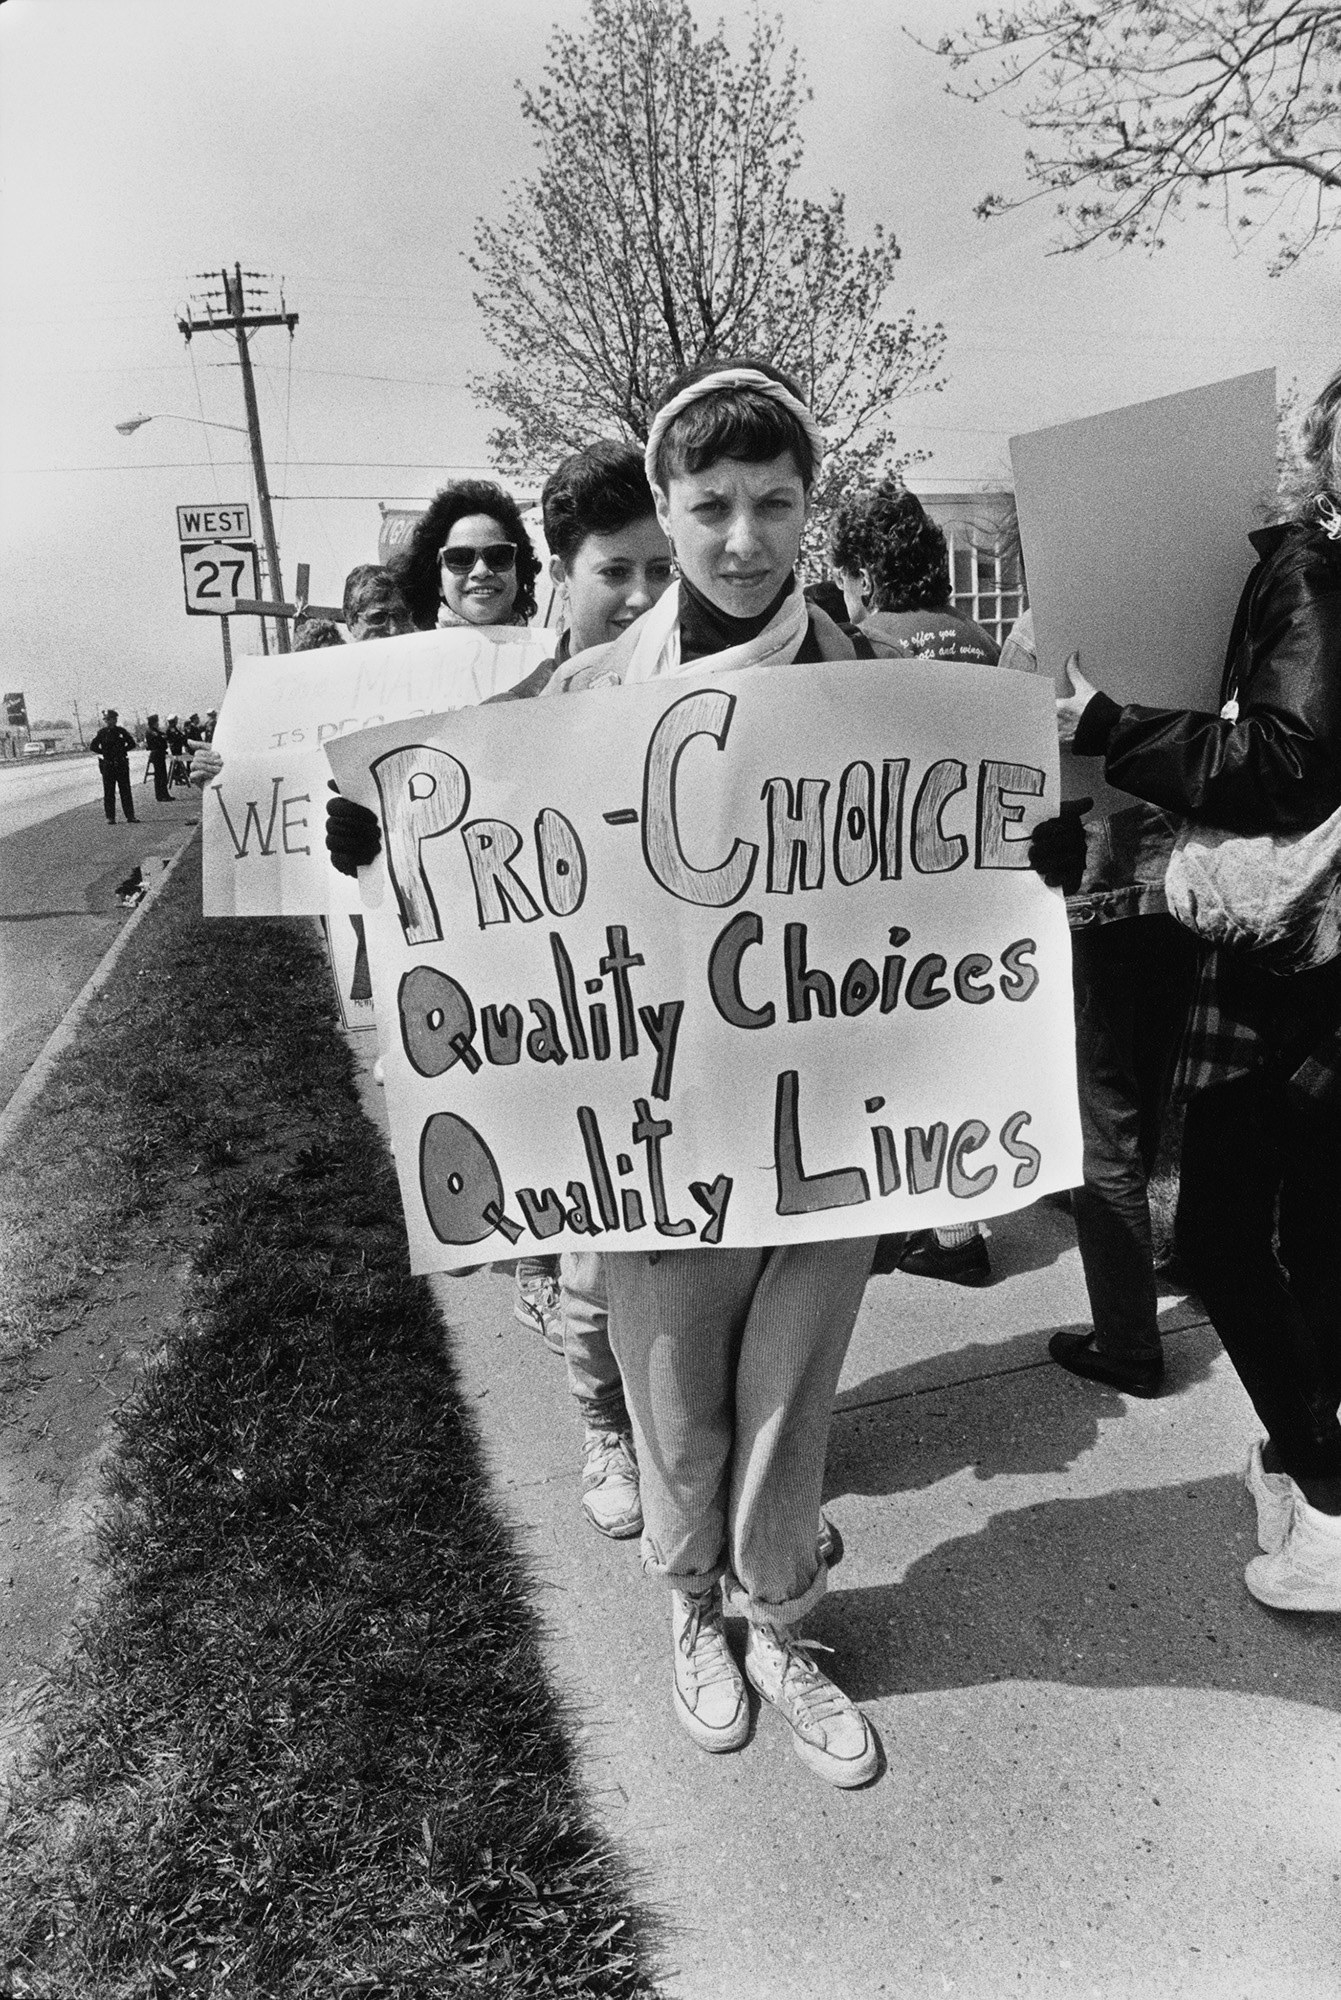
60 869
37 790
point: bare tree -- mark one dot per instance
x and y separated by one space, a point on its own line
1143 104
663 226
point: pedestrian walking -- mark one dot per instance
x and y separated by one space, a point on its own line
112 746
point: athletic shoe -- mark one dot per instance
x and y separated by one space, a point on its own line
960 1264
610 1498
537 1305
1078 1354
830 1733
1274 1495
709 1694
1304 1573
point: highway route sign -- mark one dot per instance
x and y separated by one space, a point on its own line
215 522
216 574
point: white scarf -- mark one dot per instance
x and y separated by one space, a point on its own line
657 651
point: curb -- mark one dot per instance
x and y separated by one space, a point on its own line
63 1034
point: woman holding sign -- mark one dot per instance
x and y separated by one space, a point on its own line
731 1358
1259 1213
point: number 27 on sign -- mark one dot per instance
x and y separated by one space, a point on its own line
216 574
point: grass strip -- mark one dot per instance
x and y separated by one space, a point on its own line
305 1745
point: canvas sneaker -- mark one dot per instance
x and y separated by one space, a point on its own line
610 1498
538 1305
1304 1573
1273 1494
829 1732
709 1694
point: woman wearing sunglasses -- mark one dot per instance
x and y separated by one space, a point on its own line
469 560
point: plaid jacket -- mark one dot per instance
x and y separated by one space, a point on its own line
1244 1020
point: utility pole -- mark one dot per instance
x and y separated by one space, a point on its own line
240 322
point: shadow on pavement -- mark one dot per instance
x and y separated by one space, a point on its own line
890 1433
1122 1590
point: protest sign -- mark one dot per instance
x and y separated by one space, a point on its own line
264 815
745 960
1134 527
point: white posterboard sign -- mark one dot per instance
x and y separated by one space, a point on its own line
1134 527
265 814
740 960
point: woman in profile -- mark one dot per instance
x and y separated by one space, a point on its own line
893 566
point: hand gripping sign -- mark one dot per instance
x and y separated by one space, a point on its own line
264 815
745 960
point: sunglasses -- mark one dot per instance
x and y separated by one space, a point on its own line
461 558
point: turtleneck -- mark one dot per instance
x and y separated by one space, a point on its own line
705 628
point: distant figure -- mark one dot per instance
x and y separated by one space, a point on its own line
310 633
156 743
112 746
179 771
373 605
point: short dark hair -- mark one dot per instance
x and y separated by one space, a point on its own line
313 632
596 491
362 581
732 423
414 568
888 532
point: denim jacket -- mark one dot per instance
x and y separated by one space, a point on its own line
1126 854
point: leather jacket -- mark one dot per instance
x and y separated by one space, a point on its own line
1275 765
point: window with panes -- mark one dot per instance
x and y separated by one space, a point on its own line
987 581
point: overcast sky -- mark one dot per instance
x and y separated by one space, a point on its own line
349 148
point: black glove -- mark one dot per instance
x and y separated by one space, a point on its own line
353 835
1057 847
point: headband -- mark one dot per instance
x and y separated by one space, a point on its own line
711 385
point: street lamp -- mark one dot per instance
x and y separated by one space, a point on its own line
130 424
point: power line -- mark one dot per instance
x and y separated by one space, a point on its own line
332 464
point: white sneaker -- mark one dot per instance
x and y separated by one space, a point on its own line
831 1734
1274 1495
709 1694
610 1497
538 1304
1304 1573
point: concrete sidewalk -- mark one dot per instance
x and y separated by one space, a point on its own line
1110 1772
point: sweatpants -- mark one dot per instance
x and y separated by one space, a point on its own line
593 1372
730 1360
